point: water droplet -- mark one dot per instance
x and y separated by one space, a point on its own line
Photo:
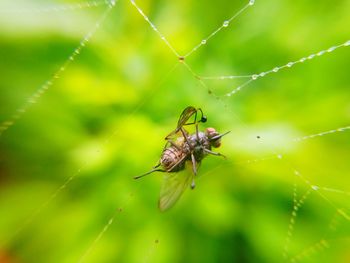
204 41
347 43
302 60
254 77
331 49
311 56
251 2
226 23
321 53
275 69
315 187
262 74
290 64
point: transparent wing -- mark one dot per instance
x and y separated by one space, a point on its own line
185 116
174 184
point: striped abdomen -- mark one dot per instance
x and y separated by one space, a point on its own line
173 159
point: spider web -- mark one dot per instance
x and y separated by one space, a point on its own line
262 144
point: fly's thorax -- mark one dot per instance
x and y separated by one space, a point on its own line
198 143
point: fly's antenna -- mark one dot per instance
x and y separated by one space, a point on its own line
153 170
219 136
203 118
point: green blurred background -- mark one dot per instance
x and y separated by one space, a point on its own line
103 122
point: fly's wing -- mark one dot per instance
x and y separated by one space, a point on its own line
174 184
184 117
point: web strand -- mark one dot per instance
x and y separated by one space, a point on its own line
33 99
297 204
105 228
43 206
311 136
332 190
225 24
162 37
298 174
316 189
276 69
85 164
320 245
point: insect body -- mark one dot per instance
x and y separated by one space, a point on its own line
182 148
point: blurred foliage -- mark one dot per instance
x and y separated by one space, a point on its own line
104 119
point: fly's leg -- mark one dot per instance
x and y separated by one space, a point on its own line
194 169
156 166
185 136
153 170
197 132
214 153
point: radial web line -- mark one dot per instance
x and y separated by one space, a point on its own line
61 7
291 224
332 190
275 69
39 92
340 211
106 227
262 159
297 204
228 163
307 137
43 205
162 37
227 77
320 245
85 164
201 82
225 24
316 189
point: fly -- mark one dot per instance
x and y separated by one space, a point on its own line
181 148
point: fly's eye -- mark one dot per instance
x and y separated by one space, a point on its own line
204 119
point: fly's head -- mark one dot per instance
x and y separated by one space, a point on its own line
214 137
